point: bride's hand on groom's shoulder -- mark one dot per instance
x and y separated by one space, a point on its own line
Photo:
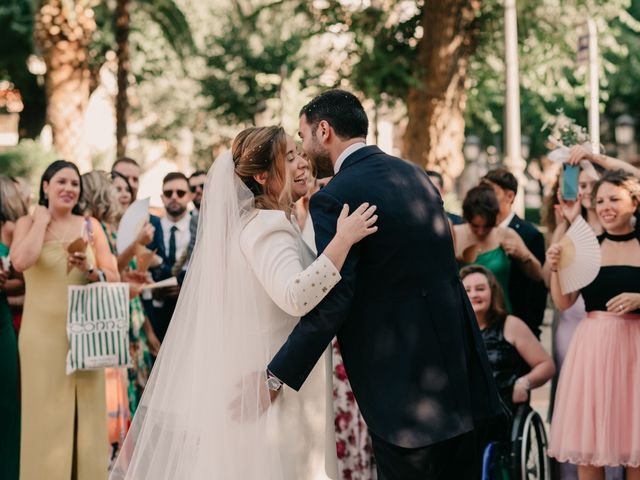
360 224
251 398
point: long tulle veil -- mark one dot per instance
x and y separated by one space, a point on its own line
184 428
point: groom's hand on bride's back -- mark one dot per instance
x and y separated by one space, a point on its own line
252 398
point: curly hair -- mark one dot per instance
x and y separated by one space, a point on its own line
497 313
99 198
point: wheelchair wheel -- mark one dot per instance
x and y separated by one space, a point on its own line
529 446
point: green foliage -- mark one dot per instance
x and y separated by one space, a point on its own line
252 55
28 159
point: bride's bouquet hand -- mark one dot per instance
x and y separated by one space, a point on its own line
360 224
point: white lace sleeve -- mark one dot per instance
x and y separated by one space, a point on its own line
270 245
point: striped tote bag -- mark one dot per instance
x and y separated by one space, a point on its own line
98 326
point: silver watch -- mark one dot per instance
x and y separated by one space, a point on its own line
272 382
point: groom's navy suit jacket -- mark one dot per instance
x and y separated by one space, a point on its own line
409 338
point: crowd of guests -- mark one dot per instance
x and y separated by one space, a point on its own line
62 426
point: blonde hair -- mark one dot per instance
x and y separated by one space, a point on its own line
263 149
99 198
12 207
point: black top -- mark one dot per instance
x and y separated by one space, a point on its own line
506 363
612 280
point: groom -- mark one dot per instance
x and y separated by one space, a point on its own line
407 333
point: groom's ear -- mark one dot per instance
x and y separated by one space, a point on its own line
324 130
261 177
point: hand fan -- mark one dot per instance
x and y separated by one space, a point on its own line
132 221
580 257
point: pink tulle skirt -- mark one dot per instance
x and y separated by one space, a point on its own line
597 411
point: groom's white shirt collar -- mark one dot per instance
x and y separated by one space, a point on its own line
345 153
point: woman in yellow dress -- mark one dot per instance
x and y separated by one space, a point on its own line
64 431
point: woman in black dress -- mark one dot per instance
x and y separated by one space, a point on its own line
517 359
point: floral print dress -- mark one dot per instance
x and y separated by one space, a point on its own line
353 443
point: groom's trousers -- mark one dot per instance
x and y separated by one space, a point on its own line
458 458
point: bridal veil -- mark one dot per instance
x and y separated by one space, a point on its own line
200 417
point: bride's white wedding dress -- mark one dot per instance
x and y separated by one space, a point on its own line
250 279
278 256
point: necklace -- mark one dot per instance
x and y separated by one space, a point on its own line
620 238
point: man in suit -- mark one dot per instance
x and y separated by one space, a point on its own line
173 241
528 297
196 184
408 336
129 169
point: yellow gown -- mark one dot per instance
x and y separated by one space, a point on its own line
64 421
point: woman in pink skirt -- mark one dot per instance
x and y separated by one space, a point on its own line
597 418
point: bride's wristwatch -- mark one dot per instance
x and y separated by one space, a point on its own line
273 382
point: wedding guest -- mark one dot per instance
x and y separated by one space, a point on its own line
24 190
196 185
129 169
144 344
595 422
565 322
13 207
100 201
10 391
517 359
480 241
172 241
64 428
527 294
123 189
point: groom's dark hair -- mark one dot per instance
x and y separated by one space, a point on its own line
341 109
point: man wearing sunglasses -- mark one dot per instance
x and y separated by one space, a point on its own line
171 241
196 184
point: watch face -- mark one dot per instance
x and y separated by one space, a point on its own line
273 383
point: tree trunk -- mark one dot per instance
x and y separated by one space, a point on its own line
122 23
435 131
63 30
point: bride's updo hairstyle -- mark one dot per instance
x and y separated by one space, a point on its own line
263 149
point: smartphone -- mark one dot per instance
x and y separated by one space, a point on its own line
570 181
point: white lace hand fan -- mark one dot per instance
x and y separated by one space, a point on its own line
580 257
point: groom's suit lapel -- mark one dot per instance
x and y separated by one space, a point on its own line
359 155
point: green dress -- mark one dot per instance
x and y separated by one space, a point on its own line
9 390
499 263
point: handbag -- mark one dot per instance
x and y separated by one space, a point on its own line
98 326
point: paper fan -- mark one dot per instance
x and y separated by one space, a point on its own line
132 221
580 258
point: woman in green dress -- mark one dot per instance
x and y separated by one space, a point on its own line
481 242
11 208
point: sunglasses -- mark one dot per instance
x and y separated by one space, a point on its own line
169 193
194 187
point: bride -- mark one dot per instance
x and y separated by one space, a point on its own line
206 412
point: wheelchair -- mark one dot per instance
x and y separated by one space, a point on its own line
524 455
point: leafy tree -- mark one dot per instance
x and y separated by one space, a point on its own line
444 61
